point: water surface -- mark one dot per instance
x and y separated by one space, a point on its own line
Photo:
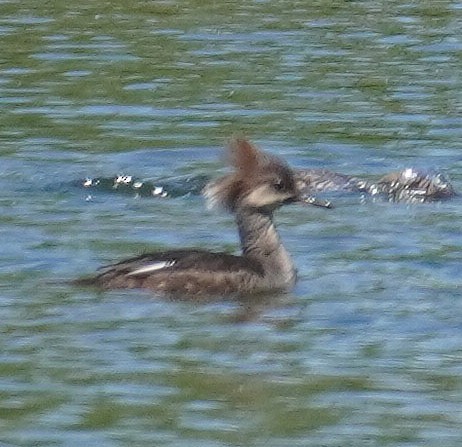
365 351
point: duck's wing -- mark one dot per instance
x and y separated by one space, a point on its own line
179 272
177 260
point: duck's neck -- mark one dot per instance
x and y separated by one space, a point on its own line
260 242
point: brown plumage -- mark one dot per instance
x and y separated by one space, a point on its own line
259 184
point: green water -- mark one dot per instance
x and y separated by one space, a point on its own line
366 351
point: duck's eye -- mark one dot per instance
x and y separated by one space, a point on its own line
278 185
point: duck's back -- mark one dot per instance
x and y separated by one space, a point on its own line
183 273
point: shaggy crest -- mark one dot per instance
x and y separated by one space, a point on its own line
252 168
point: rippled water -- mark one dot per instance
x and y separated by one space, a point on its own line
367 350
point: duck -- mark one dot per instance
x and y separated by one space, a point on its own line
259 184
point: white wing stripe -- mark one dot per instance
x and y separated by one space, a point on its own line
151 268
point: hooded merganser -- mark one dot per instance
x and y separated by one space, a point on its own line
259 185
